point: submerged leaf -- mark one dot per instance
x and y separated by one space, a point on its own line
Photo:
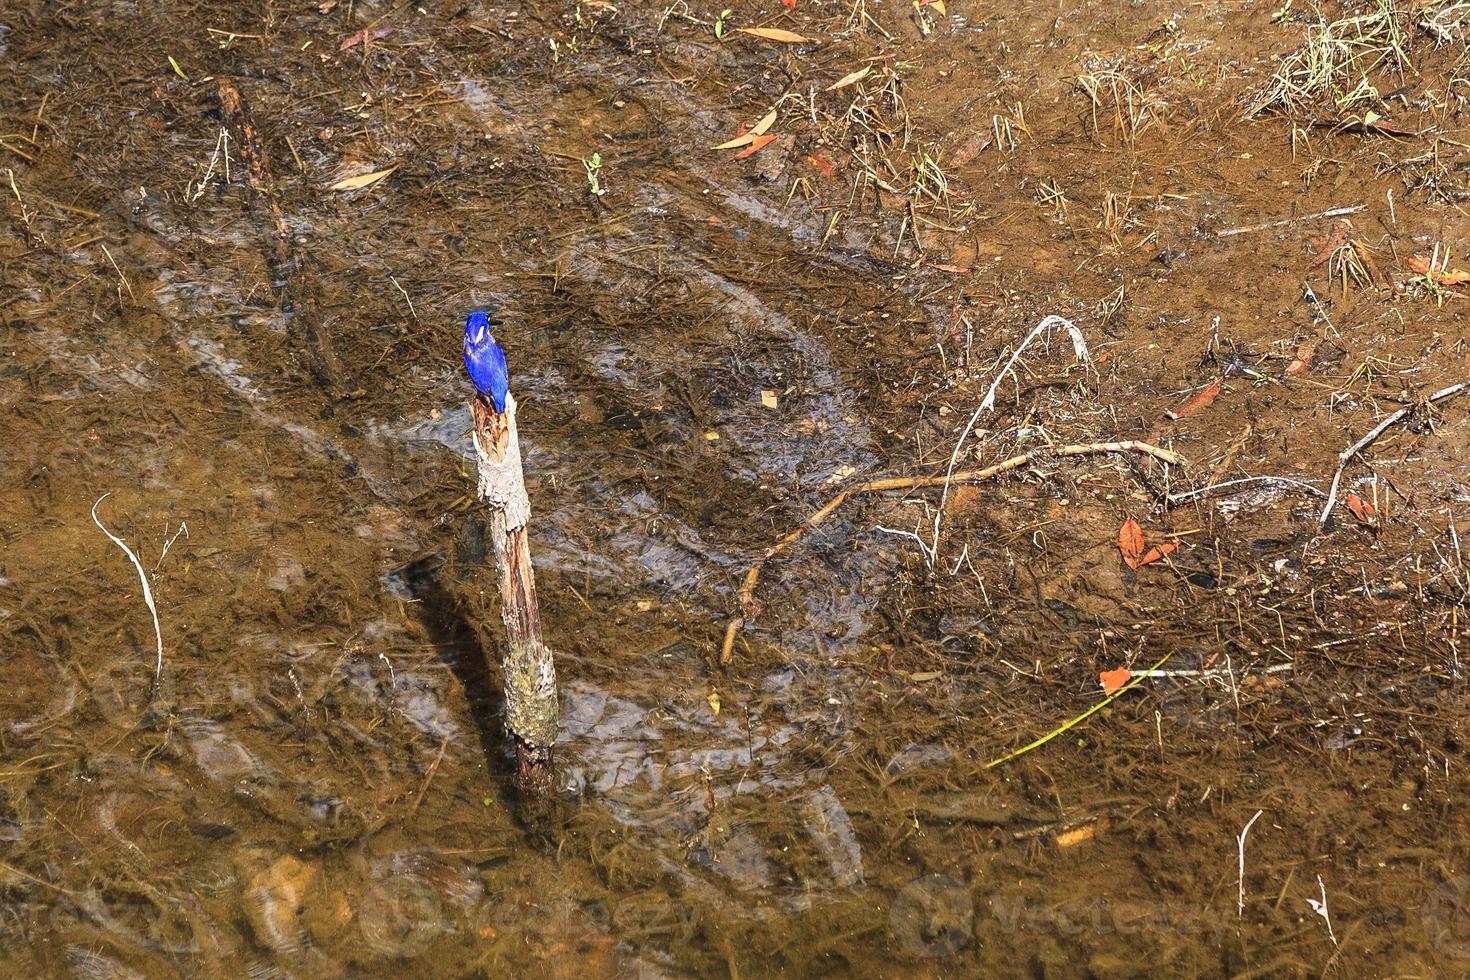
756 145
850 78
1113 680
1200 399
1361 509
1449 277
361 180
1130 542
776 34
827 167
746 137
1156 552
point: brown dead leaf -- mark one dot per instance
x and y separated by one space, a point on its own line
361 180
1200 399
850 78
971 148
1113 681
1336 237
776 34
756 145
364 37
747 136
1130 542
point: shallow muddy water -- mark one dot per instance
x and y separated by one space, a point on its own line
317 781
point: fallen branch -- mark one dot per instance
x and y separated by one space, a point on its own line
1346 456
747 605
298 300
142 577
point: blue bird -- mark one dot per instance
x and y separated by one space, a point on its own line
485 360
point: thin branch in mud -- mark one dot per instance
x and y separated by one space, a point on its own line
747 605
142 577
298 299
1176 498
1329 213
1079 347
1346 456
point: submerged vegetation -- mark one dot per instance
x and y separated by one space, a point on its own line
997 482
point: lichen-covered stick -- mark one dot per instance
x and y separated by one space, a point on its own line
529 674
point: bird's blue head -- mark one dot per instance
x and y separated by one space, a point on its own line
485 360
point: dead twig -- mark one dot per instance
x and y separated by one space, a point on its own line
1346 456
298 299
1329 213
747 605
429 776
142 577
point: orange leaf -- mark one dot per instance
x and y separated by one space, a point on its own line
1450 277
789 4
1361 509
1157 552
825 166
756 145
1130 542
1200 399
776 34
1112 681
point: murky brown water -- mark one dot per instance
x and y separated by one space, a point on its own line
318 786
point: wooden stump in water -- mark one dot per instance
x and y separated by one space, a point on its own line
531 711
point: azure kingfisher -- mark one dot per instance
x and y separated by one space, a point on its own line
485 360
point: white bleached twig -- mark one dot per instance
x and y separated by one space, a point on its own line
1079 346
1346 456
1240 868
142 577
1321 909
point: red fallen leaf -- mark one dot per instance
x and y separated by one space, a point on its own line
1156 552
1200 399
1361 509
1450 277
827 167
756 145
1113 681
1297 366
1384 126
1104 358
363 37
789 4
1130 542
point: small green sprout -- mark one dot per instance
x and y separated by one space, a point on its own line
721 22
594 182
